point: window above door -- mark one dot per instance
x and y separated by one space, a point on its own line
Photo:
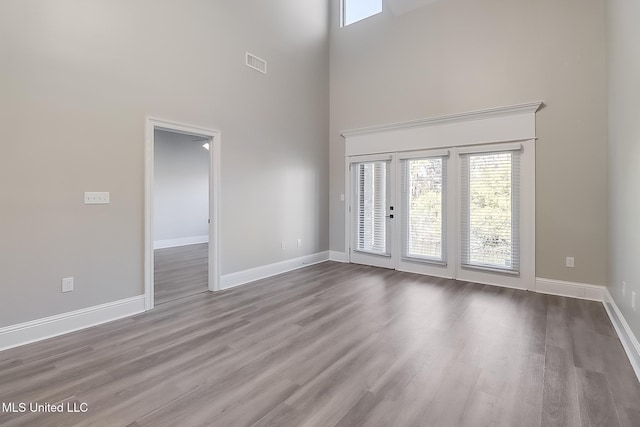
357 10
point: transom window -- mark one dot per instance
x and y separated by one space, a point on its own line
357 10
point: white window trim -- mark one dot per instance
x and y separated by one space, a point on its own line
490 148
423 154
526 278
504 124
513 125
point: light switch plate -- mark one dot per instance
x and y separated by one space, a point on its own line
96 198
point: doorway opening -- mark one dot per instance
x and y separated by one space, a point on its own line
181 205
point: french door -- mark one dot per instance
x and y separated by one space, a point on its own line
426 231
373 211
453 213
399 212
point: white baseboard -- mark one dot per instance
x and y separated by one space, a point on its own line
182 241
626 335
337 256
570 289
39 329
241 277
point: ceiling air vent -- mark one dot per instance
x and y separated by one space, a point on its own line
256 63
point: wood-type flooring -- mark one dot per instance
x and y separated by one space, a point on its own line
336 345
180 272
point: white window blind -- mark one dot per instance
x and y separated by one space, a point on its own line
372 179
490 192
423 209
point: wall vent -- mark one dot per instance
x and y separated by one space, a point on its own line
256 63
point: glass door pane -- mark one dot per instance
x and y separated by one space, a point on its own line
372 195
423 206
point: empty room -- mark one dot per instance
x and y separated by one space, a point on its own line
319 213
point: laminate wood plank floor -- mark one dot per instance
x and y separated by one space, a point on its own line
336 345
180 272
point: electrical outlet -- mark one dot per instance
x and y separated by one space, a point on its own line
342 197
282 246
299 242
624 288
570 262
633 300
67 284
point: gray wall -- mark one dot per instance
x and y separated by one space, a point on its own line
624 155
461 55
181 187
76 81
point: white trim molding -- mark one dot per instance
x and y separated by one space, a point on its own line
527 108
338 256
182 241
232 280
60 324
626 335
570 289
503 124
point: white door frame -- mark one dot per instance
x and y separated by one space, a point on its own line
151 125
377 260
